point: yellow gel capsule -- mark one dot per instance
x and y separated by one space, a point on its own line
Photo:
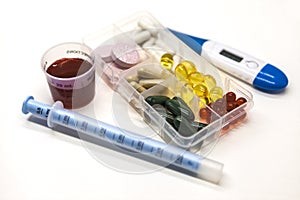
187 93
210 81
189 66
195 78
216 93
204 101
181 73
201 90
167 61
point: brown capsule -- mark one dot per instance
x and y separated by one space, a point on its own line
241 101
205 114
230 106
230 96
219 106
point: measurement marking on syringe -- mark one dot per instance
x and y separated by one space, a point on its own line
121 139
47 113
95 130
66 119
140 145
102 132
84 126
151 150
159 152
179 159
39 111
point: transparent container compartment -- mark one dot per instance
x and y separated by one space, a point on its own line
125 80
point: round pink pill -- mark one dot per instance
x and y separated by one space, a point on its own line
125 55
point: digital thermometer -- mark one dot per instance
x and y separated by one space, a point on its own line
256 72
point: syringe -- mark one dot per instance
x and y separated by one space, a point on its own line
197 165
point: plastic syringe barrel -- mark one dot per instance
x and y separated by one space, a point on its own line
202 167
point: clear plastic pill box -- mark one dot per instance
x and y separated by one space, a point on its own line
128 57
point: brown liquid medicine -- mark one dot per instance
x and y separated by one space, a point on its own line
72 82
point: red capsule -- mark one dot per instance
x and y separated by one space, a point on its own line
219 106
241 101
205 114
230 106
230 96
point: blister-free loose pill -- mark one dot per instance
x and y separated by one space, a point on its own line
196 125
230 96
181 102
230 106
164 113
241 101
216 93
147 25
219 106
142 36
157 100
132 78
148 83
205 114
201 90
149 73
181 73
125 55
187 93
174 107
195 78
184 127
149 43
210 81
204 101
137 86
167 61
189 66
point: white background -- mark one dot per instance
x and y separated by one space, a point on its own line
261 157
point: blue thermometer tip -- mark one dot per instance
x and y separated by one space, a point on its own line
270 78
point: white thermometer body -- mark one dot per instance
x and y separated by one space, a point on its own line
247 68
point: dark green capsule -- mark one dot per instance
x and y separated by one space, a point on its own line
183 126
156 100
187 128
198 125
162 111
180 101
179 110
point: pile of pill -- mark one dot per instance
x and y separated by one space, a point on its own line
227 104
146 77
177 113
118 57
145 34
203 85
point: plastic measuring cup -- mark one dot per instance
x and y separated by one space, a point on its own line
70 73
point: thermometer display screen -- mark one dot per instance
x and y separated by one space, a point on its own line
231 56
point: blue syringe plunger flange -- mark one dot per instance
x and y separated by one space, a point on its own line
25 104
